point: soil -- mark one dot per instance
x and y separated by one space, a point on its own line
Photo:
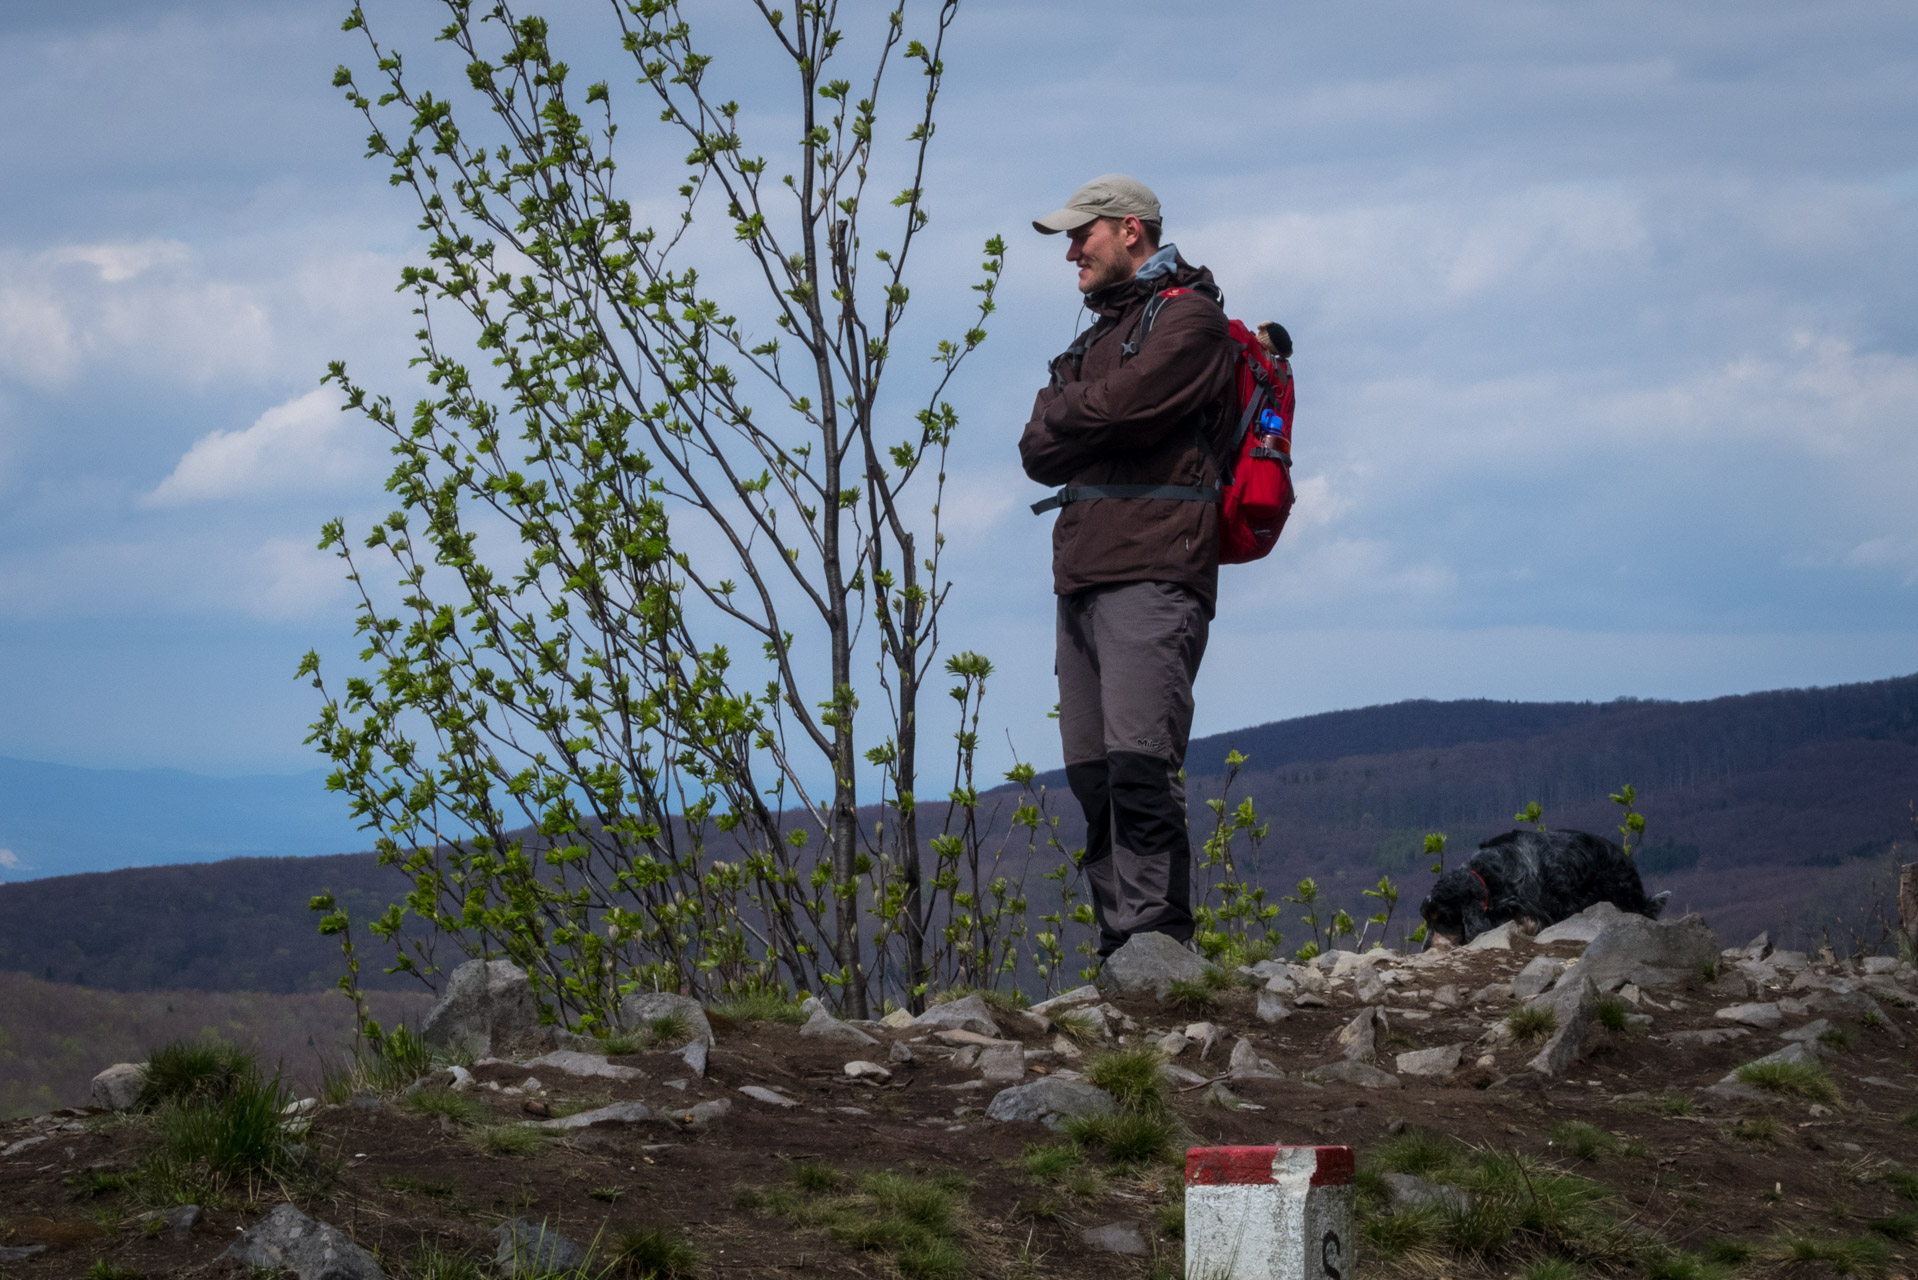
395 1177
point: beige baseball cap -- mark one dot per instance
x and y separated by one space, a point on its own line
1111 196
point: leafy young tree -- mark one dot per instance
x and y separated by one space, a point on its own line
620 468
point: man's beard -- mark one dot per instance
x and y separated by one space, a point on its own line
1107 275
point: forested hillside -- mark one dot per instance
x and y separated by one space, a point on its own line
1768 811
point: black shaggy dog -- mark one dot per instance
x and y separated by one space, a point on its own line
1536 878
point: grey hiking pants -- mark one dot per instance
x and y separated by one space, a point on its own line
1127 657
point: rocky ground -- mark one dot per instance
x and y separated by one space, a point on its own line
1601 1060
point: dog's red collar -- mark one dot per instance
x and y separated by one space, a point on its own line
1487 904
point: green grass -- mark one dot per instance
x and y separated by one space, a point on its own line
915 1222
1583 1141
193 1071
1660 1263
1902 1227
1129 1137
1845 1255
655 1253
104 1270
90 1184
1766 1129
1675 1104
407 1184
1550 1269
1794 1079
223 1132
383 1069
1193 996
664 1031
1393 1235
1903 1181
1909 1118
1132 1077
1051 1161
760 1006
1421 1153
1730 1253
462 1108
428 1261
506 1139
1169 1221
1076 1025
1837 1038
1531 1022
812 1176
1613 1013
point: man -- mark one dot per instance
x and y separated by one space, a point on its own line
1128 428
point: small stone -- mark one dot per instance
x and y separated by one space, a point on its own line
823 1026
1498 992
967 1057
20 1252
1149 963
643 1010
1175 1074
1810 1031
1246 1064
1003 1064
1116 1237
1310 1000
614 1113
898 1019
534 1249
1538 974
181 1218
859 1069
1448 996
677 1084
696 1055
1358 1039
1272 1007
1762 1016
462 1079
1707 1035
1206 1035
1064 1047
969 1014
1583 927
1499 939
1172 1044
1442 1061
900 1054
1819 1111
1369 987
759 1093
702 1114
1050 1101
118 1087
1577 1010
1070 1000
585 1065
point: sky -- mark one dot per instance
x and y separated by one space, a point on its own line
1607 343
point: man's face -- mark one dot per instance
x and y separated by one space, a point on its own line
1102 249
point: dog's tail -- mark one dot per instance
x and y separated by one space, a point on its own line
1657 903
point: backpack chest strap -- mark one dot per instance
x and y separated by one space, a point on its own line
1086 492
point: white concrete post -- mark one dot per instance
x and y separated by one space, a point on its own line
1268 1213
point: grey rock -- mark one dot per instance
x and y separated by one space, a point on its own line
898 1019
1272 1007
1583 927
1206 1035
1050 1102
1175 1074
1758 948
1115 1237
1448 996
1538 974
1368 986
900 1054
1707 1035
288 1240
1003 1064
1149 963
20 1252
1403 1191
118 1087
1799 1053
613 1113
1762 1016
1359 1073
701 1114
696 1055
1172 1044
1758 973
759 1093
1493 991
1732 1089
1246 1064
1810 1031
1358 1039
969 1014
1789 961
1577 1009
587 1065
639 1011
1069 1000
486 1008
180 1219
1648 952
24 1143
967 1057
1730 982
1442 1061
1499 939
823 1026
534 1249
860 1069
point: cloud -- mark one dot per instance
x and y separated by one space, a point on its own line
10 861
275 580
305 444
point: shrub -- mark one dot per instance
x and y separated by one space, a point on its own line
1795 1079
1131 1137
1532 1022
1193 996
1076 1026
193 1071
760 1006
1613 1013
1582 1141
1132 1077
220 1135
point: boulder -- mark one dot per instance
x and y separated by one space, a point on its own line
1810 1031
1403 1191
1583 927
1246 1064
1272 1007
1538 974
118 1087
614 1113
486 1008
900 1054
288 1240
1648 953
1358 1039
1799 1053
588 1065
638 1012
1730 983
1361 1074
1003 1064
823 1026
1050 1102
969 1014
1577 1010
534 1249
1174 1074
1762 1016
1149 963
1115 1237
898 1019
1442 1061
1368 985
1070 1000
696 1055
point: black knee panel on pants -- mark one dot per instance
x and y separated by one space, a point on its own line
1150 823
1091 784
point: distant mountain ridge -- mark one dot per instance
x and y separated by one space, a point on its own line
61 820
1767 811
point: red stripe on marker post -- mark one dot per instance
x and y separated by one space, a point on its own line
1243 1166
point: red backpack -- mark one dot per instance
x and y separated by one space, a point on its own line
1255 491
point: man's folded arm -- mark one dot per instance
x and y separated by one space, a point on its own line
1180 369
